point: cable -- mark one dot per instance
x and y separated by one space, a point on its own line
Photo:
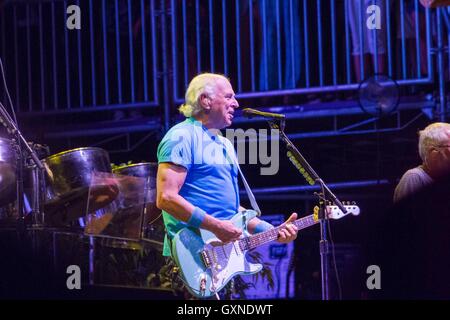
1 118
291 267
332 245
159 216
7 93
14 120
8 119
338 282
278 276
21 144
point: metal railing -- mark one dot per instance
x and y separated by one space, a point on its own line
274 48
112 61
143 53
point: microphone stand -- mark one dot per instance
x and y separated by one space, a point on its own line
20 142
312 178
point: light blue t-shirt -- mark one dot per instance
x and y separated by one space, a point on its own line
212 174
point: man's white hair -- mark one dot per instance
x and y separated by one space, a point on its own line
433 135
204 83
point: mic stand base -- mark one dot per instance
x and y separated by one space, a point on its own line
326 194
324 246
324 260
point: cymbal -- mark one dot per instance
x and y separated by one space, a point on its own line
74 204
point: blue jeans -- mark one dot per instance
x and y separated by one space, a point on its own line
291 41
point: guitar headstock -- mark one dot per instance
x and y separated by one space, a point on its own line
335 213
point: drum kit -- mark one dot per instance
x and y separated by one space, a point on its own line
81 193
73 208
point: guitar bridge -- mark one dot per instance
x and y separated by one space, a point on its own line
205 258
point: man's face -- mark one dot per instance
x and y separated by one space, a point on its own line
440 157
222 105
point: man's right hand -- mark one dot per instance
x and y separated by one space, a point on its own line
226 231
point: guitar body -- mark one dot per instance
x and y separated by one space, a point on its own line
206 264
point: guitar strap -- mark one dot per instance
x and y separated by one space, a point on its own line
250 195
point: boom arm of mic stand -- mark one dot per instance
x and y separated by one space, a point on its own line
299 157
14 131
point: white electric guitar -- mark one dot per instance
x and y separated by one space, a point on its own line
207 264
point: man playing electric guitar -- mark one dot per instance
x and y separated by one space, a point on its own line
197 181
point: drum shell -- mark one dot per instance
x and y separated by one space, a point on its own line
141 170
153 222
72 169
8 186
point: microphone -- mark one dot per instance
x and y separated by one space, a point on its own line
249 113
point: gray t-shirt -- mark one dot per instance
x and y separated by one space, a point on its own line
412 181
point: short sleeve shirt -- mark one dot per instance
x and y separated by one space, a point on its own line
412 181
212 175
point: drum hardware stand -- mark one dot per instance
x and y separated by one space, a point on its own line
20 144
91 259
38 186
142 232
37 195
326 195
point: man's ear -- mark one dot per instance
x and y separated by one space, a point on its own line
205 101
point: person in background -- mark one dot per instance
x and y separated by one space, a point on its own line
434 150
371 44
291 42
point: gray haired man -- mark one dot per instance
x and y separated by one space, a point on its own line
434 150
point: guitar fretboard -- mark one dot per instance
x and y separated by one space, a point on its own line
256 240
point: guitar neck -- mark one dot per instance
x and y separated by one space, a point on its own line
259 239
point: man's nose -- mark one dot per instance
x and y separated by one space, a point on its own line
235 104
